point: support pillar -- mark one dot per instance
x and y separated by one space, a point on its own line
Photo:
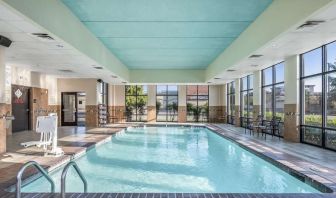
116 103
151 106
291 106
257 94
182 104
237 102
3 132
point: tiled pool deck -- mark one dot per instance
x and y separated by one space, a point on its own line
312 165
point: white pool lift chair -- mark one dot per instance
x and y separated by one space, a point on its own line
47 126
44 126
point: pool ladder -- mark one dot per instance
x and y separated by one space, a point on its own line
45 174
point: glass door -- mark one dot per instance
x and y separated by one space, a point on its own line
69 109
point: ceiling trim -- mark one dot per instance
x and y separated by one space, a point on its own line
278 18
167 76
58 20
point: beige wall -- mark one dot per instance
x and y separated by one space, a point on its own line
29 78
116 95
182 95
87 85
215 95
151 95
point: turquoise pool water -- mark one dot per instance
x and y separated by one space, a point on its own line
174 159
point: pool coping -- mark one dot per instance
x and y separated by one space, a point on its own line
8 187
325 188
309 177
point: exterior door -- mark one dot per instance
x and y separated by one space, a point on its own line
20 108
69 109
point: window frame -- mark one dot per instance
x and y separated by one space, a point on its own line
273 85
324 77
197 96
166 95
136 102
248 90
230 118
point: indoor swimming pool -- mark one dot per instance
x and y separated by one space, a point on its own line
174 159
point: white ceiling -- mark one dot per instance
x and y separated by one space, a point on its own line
294 41
30 52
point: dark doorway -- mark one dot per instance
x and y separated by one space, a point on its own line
20 108
69 109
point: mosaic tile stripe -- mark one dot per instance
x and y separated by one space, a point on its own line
168 195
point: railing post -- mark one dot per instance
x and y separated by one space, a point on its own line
64 174
39 168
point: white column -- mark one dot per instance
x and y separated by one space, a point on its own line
2 75
151 105
257 93
182 103
151 95
3 110
292 97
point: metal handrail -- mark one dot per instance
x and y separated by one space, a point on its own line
39 168
64 174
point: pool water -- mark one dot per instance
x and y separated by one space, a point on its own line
174 159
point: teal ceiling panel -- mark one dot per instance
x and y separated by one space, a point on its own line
167 29
164 43
167 34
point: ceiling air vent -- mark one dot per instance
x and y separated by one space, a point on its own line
113 76
98 67
308 24
43 36
256 56
230 70
66 70
217 78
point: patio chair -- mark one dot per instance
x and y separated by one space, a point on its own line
255 125
273 127
245 122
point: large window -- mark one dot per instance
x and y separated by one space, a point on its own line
197 103
246 94
136 103
273 93
166 103
231 102
318 96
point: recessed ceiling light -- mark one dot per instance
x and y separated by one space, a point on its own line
256 56
230 70
66 70
113 76
311 23
43 36
98 67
